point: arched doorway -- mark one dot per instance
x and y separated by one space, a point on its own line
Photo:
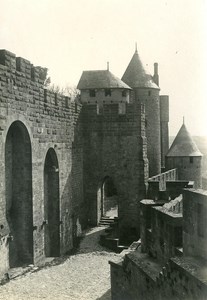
109 199
51 204
19 212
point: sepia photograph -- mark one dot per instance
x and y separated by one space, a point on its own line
103 149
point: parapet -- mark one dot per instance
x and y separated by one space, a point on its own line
17 73
19 64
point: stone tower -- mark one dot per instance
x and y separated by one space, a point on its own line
146 91
186 157
114 148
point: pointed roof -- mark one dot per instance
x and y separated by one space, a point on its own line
136 76
100 79
183 144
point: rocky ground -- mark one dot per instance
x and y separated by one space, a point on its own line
83 276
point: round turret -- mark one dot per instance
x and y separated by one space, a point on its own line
186 157
146 91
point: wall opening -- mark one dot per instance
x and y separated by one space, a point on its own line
19 213
51 205
109 199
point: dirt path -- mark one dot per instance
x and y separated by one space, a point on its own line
84 276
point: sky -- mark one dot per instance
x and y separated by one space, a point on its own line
69 36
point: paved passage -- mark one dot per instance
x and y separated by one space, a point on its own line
83 276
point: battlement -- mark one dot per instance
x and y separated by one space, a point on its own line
19 64
19 76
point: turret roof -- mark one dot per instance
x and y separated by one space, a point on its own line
100 79
183 144
136 76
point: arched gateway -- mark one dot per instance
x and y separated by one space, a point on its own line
107 199
19 212
51 204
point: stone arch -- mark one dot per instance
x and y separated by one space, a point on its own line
51 205
18 185
107 198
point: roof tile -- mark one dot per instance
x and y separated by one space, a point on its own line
136 76
100 79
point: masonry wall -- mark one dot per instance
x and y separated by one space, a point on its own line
150 98
189 168
140 278
51 122
116 96
195 223
115 146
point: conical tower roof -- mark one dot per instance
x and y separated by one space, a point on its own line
183 145
136 76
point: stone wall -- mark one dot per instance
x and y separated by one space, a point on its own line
171 262
50 121
195 223
100 98
189 168
140 278
115 146
150 98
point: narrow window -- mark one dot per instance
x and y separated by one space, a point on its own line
191 159
124 93
107 92
149 93
92 93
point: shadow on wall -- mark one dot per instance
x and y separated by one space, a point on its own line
106 296
73 207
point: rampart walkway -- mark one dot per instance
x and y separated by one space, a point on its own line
84 276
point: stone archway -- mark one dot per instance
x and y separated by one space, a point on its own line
51 205
109 198
18 179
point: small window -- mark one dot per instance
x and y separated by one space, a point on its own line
124 93
107 92
92 93
191 159
149 93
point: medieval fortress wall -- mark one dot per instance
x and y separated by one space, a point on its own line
38 121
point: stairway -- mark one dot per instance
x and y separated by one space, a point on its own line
107 221
109 238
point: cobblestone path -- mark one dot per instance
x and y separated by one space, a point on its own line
84 276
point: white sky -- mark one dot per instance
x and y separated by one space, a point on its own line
69 36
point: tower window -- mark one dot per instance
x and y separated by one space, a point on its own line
191 159
92 93
124 93
107 92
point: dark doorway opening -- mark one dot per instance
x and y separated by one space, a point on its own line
51 205
109 199
19 210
